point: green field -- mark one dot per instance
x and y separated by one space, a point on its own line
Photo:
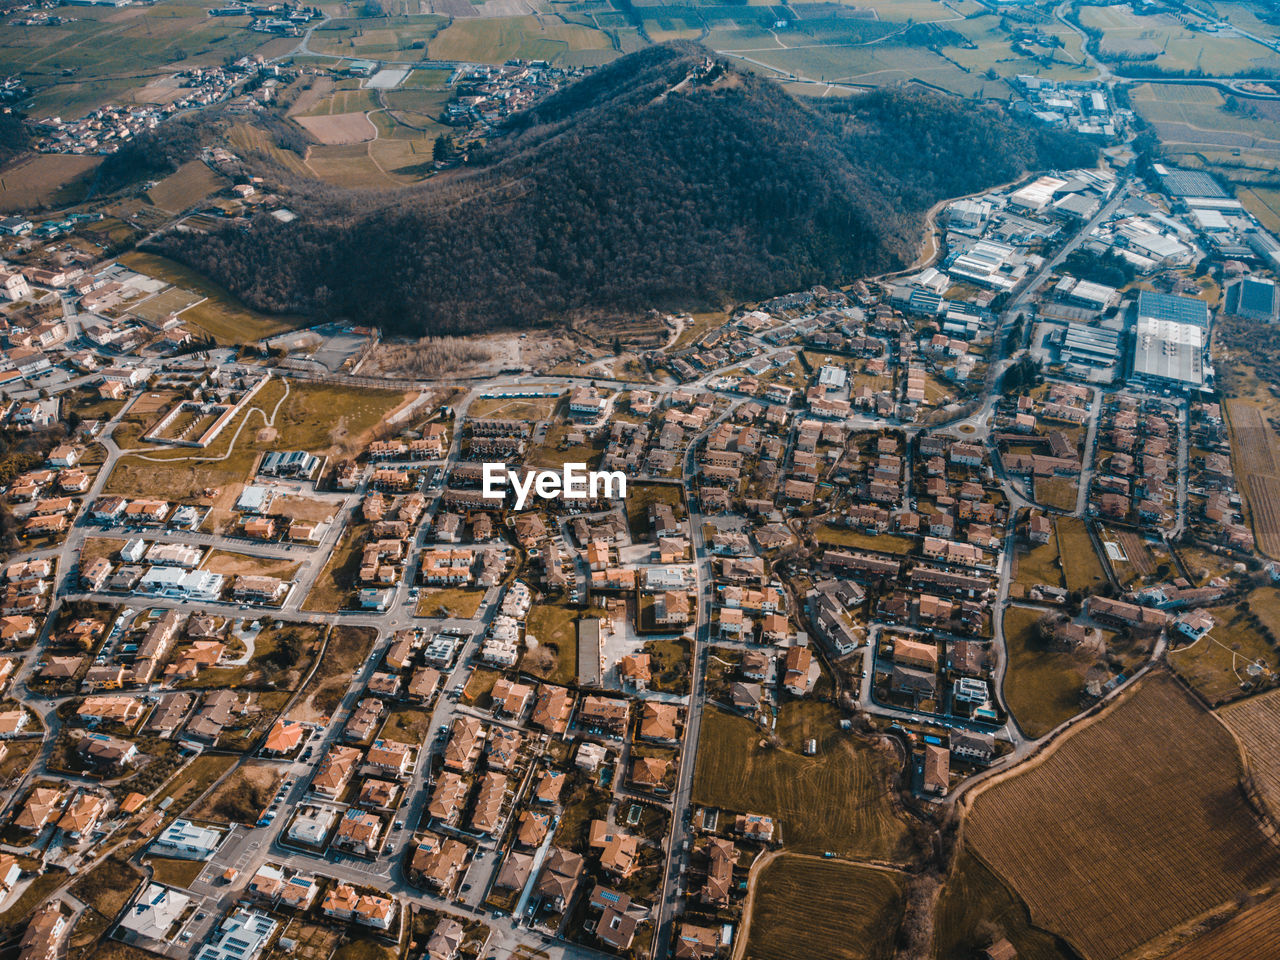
837 800
1176 47
807 907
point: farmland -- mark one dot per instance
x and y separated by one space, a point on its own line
1163 800
1253 449
185 187
836 800
850 912
1250 933
975 905
1256 722
533 38
46 179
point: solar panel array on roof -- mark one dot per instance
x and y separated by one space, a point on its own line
1190 183
1164 306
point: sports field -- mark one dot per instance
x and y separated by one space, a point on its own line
1162 834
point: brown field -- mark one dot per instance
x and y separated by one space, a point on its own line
1251 933
805 906
1162 835
251 784
340 128
244 565
185 187
1253 452
1256 722
45 179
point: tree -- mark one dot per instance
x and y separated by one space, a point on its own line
444 149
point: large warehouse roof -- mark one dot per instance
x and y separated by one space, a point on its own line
1163 306
1188 183
1168 350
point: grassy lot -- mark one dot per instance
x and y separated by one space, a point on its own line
242 796
641 495
480 686
35 894
195 778
1082 570
242 564
175 873
108 887
837 800
1163 800
1042 687
332 590
221 316
1039 564
973 904
348 647
1057 492
407 725
1202 565
280 659
556 657
460 602
805 907
1216 663
844 537
513 408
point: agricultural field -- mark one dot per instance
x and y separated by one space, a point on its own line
532 38
1176 48
975 907
45 180
103 52
1163 801
837 800
186 186
1256 722
1250 933
1253 451
1218 664
340 128
1042 686
384 38
804 906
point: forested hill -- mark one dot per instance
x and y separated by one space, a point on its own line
654 182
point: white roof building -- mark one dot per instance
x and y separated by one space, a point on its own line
186 841
182 584
240 937
154 912
1170 351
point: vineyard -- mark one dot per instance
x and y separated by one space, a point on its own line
1251 933
1256 722
1253 446
1133 824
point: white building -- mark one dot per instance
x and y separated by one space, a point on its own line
186 841
153 914
241 936
181 584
